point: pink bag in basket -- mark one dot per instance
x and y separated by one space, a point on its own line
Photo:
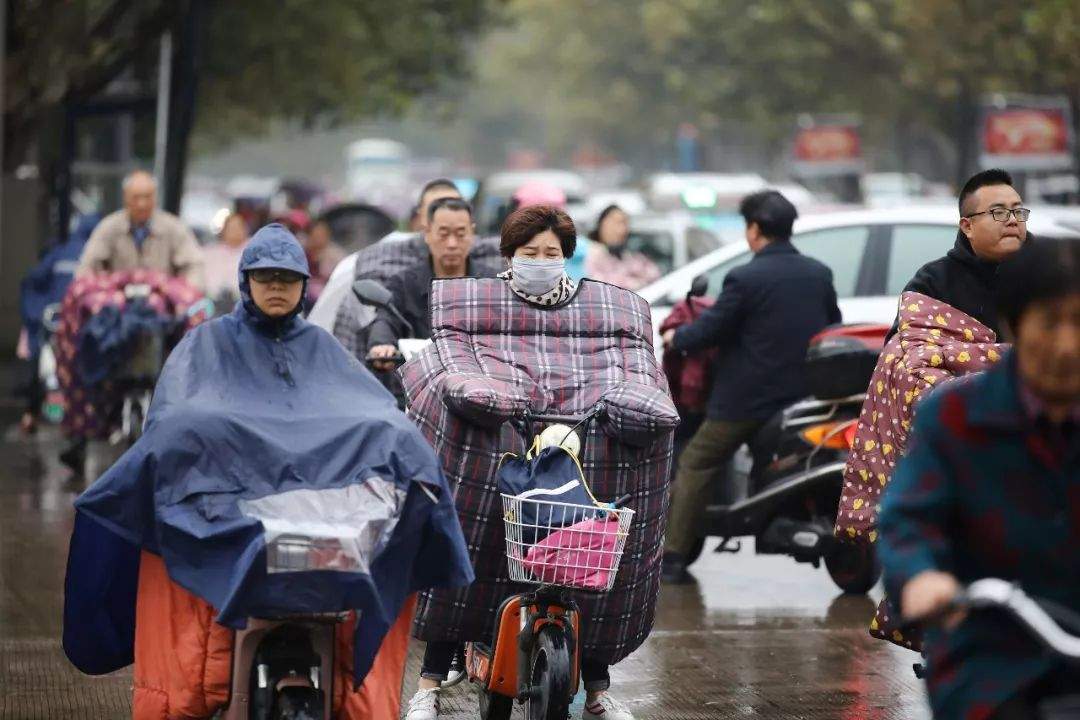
583 555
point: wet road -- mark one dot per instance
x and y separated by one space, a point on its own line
756 637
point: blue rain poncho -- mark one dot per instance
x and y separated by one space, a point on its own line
275 476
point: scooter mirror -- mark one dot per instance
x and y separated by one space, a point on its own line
371 292
699 286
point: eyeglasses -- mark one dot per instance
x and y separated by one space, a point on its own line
1002 214
269 275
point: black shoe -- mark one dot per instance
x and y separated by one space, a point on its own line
673 570
75 456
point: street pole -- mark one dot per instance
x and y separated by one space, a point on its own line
3 55
161 128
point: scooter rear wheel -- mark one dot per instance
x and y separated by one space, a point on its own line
854 568
494 706
549 677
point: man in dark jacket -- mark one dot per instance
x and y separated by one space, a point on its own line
449 236
993 226
762 323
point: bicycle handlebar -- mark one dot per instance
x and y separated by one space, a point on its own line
997 593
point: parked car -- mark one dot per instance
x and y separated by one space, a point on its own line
670 239
872 253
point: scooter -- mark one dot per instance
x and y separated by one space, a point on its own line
138 375
793 470
533 656
283 668
373 293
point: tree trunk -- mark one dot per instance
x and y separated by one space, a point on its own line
965 128
188 34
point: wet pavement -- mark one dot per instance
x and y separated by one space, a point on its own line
755 637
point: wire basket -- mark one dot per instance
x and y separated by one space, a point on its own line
563 544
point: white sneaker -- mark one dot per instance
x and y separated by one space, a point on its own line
424 705
606 708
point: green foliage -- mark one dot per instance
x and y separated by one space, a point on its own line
326 62
626 73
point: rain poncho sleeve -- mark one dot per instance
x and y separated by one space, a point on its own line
261 435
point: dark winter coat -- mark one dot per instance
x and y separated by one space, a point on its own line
962 280
762 323
412 298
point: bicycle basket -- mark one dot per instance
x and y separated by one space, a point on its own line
577 546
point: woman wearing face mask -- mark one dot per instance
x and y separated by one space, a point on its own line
610 261
536 243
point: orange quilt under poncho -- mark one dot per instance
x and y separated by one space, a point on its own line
183 659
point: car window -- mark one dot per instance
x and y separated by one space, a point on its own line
719 272
841 249
912 247
699 242
658 246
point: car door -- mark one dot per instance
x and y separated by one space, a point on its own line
911 247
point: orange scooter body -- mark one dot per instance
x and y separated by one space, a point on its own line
495 667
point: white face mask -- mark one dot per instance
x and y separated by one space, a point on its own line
536 277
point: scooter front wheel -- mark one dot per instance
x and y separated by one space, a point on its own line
494 706
549 677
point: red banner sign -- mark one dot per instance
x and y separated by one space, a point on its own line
827 149
1027 138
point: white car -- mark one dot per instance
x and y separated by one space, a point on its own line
670 239
872 253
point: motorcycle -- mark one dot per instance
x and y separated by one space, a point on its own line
373 293
784 489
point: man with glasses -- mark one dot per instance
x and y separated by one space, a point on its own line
993 226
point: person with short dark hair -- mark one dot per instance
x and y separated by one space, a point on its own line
449 233
990 487
993 225
762 323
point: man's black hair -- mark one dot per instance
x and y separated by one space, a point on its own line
986 178
1041 270
448 203
434 185
773 213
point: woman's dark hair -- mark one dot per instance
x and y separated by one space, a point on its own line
528 222
594 234
773 213
1041 270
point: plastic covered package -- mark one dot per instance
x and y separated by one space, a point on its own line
340 529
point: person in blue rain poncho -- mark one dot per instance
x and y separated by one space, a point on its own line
259 421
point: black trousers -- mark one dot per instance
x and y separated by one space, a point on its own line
439 655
